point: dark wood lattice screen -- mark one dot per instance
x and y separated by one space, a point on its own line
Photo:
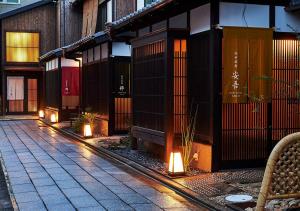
286 88
149 85
245 127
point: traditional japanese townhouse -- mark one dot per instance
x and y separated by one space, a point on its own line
61 85
105 72
26 32
61 74
226 58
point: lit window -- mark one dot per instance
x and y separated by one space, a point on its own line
9 1
22 47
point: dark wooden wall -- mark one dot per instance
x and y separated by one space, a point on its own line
41 19
124 7
199 83
70 22
52 88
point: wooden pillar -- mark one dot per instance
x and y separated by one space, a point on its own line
169 117
111 123
215 61
269 105
59 94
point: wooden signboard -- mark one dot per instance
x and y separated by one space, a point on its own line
247 63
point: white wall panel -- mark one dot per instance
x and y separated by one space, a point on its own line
282 18
69 63
231 14
121 49
140 4
109 11
200 19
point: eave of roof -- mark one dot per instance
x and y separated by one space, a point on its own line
51 55
116 25
25 8
87 42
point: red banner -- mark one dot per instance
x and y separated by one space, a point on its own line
70 81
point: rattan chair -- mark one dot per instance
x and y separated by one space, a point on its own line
282 175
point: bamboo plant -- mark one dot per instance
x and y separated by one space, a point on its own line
187 137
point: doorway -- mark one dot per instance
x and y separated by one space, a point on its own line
15 94
22 95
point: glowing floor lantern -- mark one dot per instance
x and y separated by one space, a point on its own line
176 164
53 118
41 114
87 131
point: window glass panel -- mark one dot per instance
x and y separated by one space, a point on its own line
22 47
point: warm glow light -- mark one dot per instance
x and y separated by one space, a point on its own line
42 114
22 47
53 118
176 164
87 132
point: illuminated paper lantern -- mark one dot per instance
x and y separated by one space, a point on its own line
41 114
176 164
53 118
87 131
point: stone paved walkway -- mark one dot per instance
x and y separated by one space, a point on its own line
50 172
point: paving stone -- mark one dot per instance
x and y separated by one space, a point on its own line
51 200
60 207
20 180
134 198
115 205
43 181
73 192
97 208
48 190
38 175
84 201
27 197
120 189
30 206
146 207
67 183
165 201
23 188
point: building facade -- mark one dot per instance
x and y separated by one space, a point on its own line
217 59
223 59
25 35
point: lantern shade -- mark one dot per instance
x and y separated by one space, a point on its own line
176 164
87 130
53 118
41 114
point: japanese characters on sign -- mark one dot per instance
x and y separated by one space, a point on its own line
235 78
